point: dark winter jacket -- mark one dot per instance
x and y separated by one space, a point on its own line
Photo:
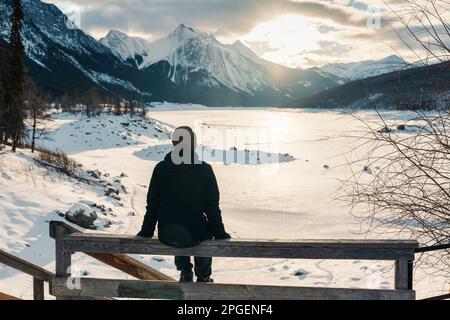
184 201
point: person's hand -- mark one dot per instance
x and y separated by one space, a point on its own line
140 235
222 236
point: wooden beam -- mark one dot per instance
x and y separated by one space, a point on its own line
116 288
7 297
38 289
130 266
25 266
441 297
63 258
300 249
211 291
403 274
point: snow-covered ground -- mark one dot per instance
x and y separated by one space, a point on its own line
292 199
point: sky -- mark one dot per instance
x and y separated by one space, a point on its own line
295 33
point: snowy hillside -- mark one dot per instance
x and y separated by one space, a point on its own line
365 69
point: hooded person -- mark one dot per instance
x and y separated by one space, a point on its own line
183 200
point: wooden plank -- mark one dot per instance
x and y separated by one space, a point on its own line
7 297
130 266
300 249
441 297
38 289
63 258
402 274
25 266
118 288
200 291
252 292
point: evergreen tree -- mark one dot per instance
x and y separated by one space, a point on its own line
3 56
14 81
2 104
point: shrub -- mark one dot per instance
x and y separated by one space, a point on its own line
58 160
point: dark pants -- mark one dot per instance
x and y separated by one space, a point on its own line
202 265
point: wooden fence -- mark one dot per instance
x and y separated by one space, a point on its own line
158 286
38 274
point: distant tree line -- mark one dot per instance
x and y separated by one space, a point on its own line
93 103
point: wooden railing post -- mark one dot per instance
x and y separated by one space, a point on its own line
410 274
63 258
38 289
404 274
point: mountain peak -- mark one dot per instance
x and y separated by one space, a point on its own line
182 30
116 33
239 46
125 46
394 58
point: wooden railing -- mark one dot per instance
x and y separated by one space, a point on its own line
39 274
67 243
121 262
118 261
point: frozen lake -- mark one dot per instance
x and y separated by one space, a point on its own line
297 195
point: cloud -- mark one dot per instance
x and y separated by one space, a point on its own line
331 48
158 17
340 27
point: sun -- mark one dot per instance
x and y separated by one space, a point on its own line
286 36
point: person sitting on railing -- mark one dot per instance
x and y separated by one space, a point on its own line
183 199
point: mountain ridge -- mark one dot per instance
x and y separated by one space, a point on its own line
366 68
411 89
187 66
190 54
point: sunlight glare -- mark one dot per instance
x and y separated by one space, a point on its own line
287 35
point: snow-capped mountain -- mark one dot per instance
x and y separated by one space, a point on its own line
130 49
187 66
365 69
62 58
193 62
410 88
188 50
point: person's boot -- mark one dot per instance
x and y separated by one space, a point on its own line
186 276
205 279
